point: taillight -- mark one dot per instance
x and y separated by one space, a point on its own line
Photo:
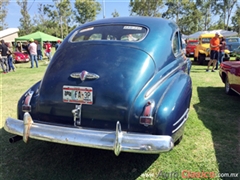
26 107
147 119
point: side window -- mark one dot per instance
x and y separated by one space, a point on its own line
176 44
95 37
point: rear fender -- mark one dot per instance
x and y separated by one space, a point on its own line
172 109
203 52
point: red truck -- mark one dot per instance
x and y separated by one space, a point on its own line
191 45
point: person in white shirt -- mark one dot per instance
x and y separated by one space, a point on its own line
33 52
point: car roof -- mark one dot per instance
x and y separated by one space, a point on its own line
208 35
192 40
151 22
233 38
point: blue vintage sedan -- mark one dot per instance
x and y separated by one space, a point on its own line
118 84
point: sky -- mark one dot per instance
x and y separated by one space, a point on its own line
108 7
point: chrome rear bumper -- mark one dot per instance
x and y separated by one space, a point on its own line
118 141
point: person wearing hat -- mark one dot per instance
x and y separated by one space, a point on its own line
48 48
214 53
33 52
57 45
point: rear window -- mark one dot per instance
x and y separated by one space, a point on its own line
193 43
110 33
232 40
206 40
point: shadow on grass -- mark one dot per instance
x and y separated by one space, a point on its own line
220 114
40 160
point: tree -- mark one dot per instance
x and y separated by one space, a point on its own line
60 15
3 13
175 9
236 20
86 10
40 20
146 7
25 21
64 14
185 13
205 20
224 10
115 13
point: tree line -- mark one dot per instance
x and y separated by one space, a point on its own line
62 16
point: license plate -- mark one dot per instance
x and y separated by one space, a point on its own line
77 94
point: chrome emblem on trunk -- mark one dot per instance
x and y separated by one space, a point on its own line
84 75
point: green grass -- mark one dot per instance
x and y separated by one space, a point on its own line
211 140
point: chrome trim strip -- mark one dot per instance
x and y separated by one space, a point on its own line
235 91
116 141
184 120
155 86
184 114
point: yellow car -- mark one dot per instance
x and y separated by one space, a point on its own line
202 50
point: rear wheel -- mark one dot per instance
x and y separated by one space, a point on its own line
228 89
201 58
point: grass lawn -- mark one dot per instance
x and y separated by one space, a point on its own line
211 140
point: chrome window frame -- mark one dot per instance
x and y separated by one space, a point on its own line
117 24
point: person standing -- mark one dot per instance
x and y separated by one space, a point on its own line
3 57
33 52
9 57
214 46
39 50
57 45
25 47
48 47
221 52
19 47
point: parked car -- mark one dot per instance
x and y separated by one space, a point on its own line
232 43
191 45
202 50
230 74
236 52
19 57
125 87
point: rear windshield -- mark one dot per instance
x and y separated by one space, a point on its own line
111 33
232 40
192 43
206 40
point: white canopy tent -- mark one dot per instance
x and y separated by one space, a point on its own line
225 33
9 35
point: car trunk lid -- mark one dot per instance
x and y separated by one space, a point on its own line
123 71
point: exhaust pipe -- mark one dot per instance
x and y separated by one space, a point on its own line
15 139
